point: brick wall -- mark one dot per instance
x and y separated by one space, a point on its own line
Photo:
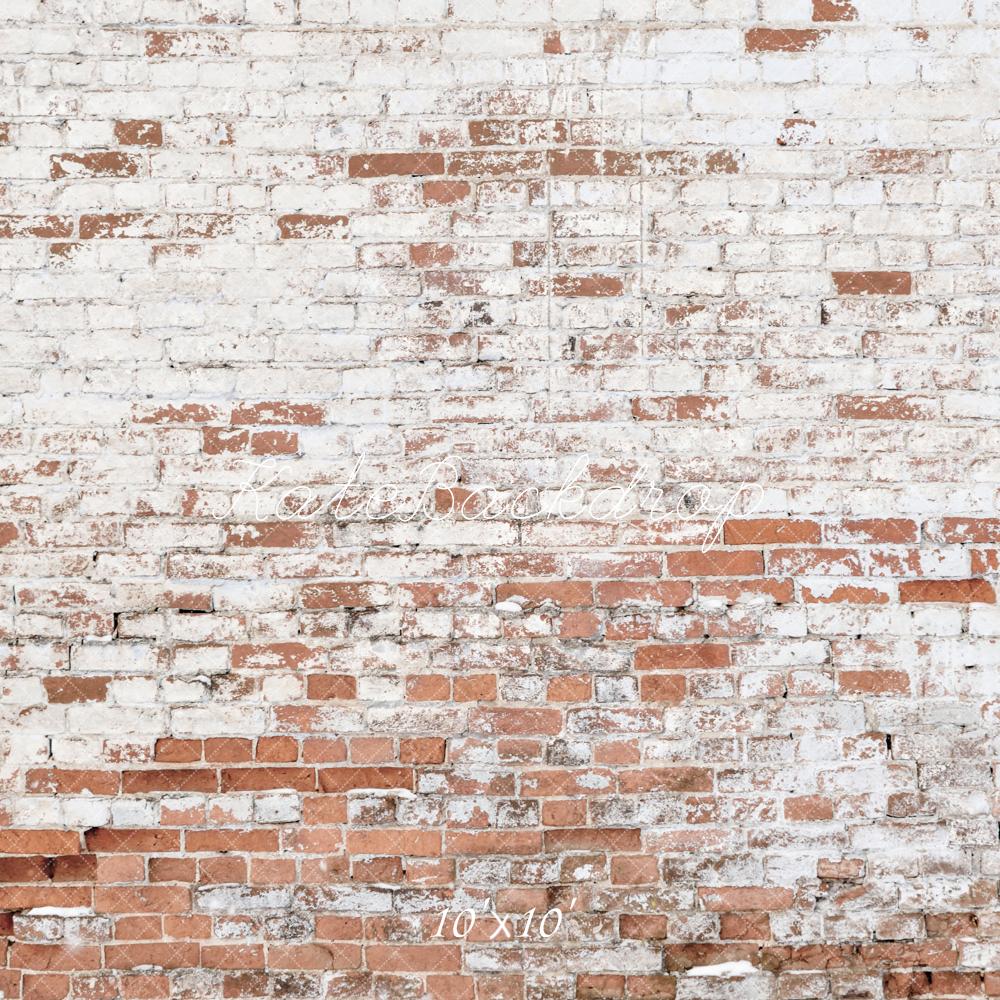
255 254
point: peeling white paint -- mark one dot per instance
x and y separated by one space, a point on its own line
399 793
58 911
726 969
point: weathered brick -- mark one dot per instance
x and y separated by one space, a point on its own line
572 427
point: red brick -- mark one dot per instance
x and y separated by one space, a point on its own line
600 987
94 165
876 682
396 164
718 562
17 841
745 898
694 656
947 592
586 285
412 958
68 690
336 779
516 721
872 282
139 132
808 808
771 532
782 39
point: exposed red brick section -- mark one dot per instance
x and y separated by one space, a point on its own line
741 898
42 227
219 440
684 657
396 164
570 162
961 529
94 165
947 591
63 690
782 39
722 162
874 682
872 282
279 412
446 192
139 132
765 531
834 10
715 563
587 286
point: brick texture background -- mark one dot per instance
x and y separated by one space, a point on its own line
726 240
